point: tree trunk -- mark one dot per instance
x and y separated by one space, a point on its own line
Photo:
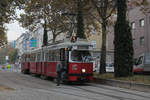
80 21
54 38
45 37
103 49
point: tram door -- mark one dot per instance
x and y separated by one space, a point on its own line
64 58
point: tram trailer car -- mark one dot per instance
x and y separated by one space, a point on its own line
75 58
25 64
142 63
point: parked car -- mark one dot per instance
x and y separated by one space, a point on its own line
109 67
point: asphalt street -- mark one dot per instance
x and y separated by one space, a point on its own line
17 86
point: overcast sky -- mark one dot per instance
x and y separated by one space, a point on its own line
14 29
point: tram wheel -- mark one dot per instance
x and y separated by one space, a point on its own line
23 71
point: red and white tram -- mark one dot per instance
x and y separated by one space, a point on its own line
75 58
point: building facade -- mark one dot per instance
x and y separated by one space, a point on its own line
140 23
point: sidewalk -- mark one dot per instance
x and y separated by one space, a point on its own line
123 84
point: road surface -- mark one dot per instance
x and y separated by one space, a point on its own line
17 86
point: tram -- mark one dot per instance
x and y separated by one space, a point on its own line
142 63
74 56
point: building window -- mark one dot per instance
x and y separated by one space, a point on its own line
142 23
93 43
141 40
133 25
134 43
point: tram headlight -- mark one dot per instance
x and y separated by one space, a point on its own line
83 70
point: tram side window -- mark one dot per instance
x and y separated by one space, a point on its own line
53 56
46 56
62 56
38 57
33 57
24 58
28 58
50 56
42 56
57 54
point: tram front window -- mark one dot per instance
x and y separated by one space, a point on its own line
81 56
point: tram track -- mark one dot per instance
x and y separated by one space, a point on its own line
102 87
25 81
86 90
21 83
46 86
107 88
15 81
112 96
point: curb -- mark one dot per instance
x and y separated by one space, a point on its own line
123 84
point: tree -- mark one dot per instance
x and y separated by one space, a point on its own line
3 38
13 54
39 11
8 51
6 14
77 13
105 8
123 54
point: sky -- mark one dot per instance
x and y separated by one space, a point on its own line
14 29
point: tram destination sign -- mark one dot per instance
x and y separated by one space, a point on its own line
83 47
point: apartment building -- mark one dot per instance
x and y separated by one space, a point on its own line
21 44
94 38
140 25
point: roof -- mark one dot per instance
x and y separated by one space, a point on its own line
67 43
